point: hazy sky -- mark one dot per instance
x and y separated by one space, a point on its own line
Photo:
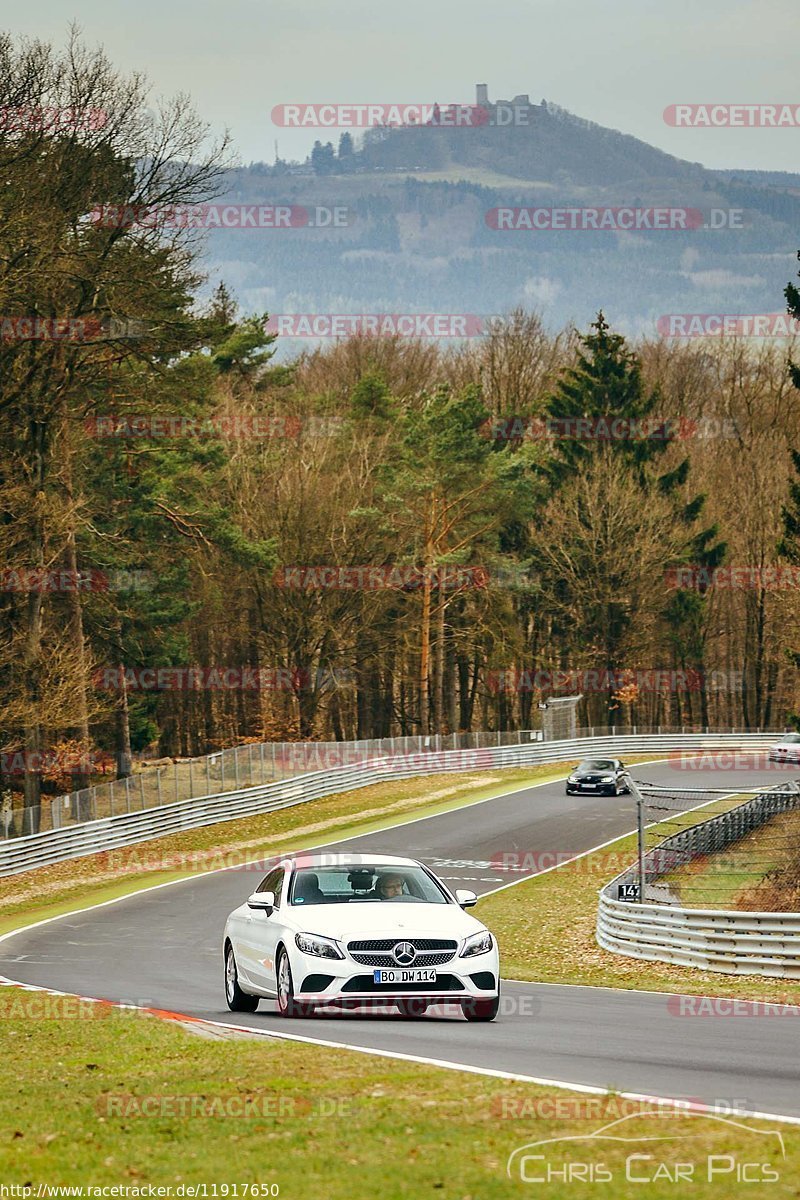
619 63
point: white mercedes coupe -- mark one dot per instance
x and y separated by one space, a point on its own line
356 930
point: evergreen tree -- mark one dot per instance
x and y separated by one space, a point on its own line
606 429
323 158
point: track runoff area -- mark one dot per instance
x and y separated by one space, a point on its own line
161 948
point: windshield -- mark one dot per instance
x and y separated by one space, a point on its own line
597 764
792 737
365 884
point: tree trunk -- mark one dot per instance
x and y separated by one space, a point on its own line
438 675
336 717
425 626
207 701
450 696
464 704
80 808
32 678
425 655
75 618
123 730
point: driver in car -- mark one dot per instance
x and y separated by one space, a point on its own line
388 885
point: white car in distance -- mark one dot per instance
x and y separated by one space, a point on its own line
355 930
786 750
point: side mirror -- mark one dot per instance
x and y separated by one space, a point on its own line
262 900
466 899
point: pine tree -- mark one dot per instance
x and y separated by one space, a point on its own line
604 389
606 427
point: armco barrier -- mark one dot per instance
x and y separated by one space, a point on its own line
126 829
728 941
735 943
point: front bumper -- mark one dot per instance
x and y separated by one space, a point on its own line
598 789
343 982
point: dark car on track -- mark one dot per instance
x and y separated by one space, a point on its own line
598 776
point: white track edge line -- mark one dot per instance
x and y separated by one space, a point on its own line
425 1060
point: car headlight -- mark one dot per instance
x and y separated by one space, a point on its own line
606 778
572 779
315 943
479 943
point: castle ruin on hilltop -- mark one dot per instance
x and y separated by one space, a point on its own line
521 101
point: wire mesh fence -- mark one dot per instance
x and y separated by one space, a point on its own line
254 764
229 770
714 849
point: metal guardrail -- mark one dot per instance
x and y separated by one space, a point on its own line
232 770
253 764
729 941
126 829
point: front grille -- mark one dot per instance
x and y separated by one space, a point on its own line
384 958
365 983
418 944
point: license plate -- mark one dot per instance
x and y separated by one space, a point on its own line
589 785
403 975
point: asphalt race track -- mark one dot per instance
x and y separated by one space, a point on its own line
162 948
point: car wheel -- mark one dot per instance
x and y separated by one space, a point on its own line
287 1005
481 1010
413 1007
238 1001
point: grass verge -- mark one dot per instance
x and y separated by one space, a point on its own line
759 873
131 1101
546 931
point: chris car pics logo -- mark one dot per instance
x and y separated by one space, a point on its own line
616 1153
